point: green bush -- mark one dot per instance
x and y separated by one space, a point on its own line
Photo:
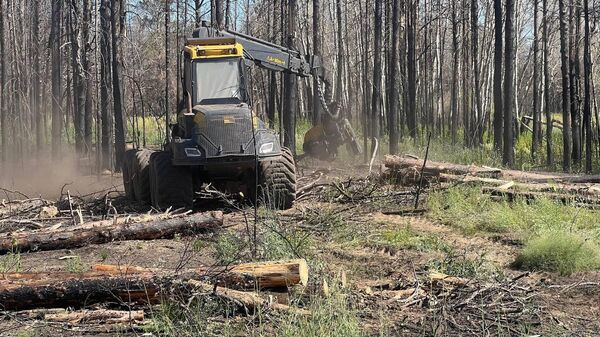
559 251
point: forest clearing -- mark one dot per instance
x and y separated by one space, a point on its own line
484 252
299 168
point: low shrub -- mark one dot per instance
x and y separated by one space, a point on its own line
559 251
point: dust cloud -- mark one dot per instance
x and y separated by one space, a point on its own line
46 177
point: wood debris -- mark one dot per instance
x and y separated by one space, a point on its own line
124 284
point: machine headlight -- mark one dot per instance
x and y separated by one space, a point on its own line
266 148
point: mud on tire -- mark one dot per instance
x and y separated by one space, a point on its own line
170 186
277 181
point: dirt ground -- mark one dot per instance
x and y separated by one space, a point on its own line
376 272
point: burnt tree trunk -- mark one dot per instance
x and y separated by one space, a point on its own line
377 70
219 13
394 80
574 34
78 80
587 73
411 28
316 104
547 112
56 77
564 69
105 72
35 77
478 116
498 111
536 134
3 126
291 84
508 154
117 7
87 75
454 97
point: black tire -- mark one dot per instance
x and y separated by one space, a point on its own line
128 169
141 175
277 181
170 186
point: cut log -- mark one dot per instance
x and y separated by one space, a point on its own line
270 274
433 169
107 231
119 285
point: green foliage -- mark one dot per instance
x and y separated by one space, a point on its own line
331 316
407 238
229 248
74 265
561 252
460 265
155 130
171 319
469 210
281 240
552 232
11 262
104 254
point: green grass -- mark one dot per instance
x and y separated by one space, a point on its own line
172 319
556 237
407 238
459 265
331 316
561 252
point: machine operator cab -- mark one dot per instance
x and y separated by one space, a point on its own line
214 71
214 118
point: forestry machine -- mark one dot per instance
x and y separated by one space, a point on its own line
218 139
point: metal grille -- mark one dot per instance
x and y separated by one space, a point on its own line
231 137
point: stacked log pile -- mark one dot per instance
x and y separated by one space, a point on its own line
506 184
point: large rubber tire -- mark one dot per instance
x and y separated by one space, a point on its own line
141 175
127 169
277 181
170 186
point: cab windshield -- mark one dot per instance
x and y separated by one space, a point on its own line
217 79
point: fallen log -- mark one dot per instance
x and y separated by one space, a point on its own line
580 189
433 169
98 316
85 315
408 169
107 231
572 199
119 285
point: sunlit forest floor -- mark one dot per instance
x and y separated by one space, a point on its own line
462 264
